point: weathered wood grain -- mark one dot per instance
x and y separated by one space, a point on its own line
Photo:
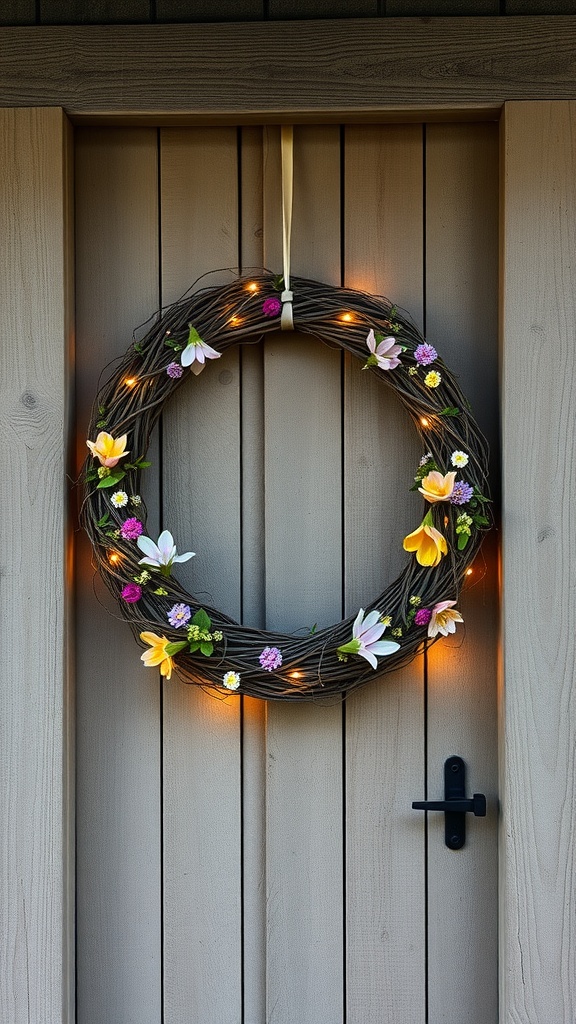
462 322
201 490
36 693
271 70
302 488
385 913
538 417
118 700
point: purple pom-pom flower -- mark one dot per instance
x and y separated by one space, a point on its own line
271 307
179 615
425 354
131 593
270 658
461 493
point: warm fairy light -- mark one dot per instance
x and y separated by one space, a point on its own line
469 572
234 321
168 332
424 422
252 287
347 318
113 557
130 382
295 675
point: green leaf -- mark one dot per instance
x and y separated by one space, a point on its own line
103 521
111 481
101 409
176 647
206 648
193 646
138 347
101 423
481 520
193 336
450 410
202 620
142 465
172 343
91 474
463 539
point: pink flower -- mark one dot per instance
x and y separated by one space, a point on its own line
131 529
384 354
425 354
422 617
131 593
270 659
443 619
271 307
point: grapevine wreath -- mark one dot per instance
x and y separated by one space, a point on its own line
203 645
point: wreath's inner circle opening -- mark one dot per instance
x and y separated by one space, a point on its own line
297 467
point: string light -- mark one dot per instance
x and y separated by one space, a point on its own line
295 675
424 422
113 557
346 317
130 382
252 287
234 321
469 572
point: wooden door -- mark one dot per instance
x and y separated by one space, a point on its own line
244 863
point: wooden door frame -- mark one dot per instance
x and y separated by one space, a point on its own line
537 213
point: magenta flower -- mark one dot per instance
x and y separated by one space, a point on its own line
270 658
422 617
425 354
174 370
461 493
271 307
131 529
179 615
131 593
383 354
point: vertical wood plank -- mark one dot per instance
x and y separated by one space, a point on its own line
384 721
201 488
35 553
253 600
461 316
538 411
118 734
303 586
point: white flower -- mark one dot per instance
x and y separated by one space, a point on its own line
197 352
366 642
231 680
119 499
163 554
384 354
444 619
459 459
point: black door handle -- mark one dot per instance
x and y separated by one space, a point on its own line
455 805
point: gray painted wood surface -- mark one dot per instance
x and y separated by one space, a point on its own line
293 883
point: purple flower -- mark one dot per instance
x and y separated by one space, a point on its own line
422 617
271 307
425 354
179 615
461 493
131 529
270 658
174 370
131 593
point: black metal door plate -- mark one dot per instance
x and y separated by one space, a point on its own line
455 805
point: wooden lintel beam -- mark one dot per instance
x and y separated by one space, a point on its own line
364 69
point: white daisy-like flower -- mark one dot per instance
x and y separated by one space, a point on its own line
459 459
231 680
119 499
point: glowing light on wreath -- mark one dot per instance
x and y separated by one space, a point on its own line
201 644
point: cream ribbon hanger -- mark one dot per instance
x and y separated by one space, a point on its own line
287 152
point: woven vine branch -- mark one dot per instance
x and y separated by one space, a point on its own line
312 667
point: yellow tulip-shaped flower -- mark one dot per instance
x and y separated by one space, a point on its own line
436 487
108 450
427 542
158 654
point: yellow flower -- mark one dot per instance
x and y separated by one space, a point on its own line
436 487
157 655
107 449
427 542
432 379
